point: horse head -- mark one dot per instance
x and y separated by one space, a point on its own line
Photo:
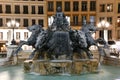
35 28
89 28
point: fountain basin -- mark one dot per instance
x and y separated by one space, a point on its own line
51 67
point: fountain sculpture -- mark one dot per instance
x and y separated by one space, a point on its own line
59 49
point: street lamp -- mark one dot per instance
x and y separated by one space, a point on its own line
13 24
104 25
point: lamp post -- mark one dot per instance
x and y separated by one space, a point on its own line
13 24
104 25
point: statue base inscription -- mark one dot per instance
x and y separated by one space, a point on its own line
61 67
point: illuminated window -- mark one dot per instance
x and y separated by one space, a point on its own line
109 7
118 21
1 35
92 20
17 35
25 35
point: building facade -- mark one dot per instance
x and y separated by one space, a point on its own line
30 12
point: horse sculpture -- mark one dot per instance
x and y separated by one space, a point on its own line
89 29
35 29
60 39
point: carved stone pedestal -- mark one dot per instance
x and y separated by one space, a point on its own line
114 61
10 51
51 67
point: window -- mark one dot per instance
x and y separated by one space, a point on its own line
109 34
118 21
109 19
109 7
59 4
33 22
75 20
101 18
101 34
40 10
92 20
84 6
1 22
25 35
25 9
1 8
41 22
8 19
75 6
50 6
17 35
84 19
118 34
18 20
33 9
102 7
67 6
8 8
25 22
92 5
17 9
118 7
1 35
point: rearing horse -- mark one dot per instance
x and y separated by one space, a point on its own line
88 29
35 29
